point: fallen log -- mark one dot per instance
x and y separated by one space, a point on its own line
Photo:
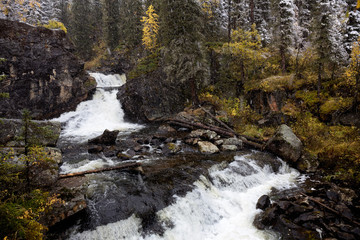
216 129
252 139
128 166
331 210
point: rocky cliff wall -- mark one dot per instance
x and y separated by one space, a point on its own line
42 72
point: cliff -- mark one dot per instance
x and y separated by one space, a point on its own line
41 72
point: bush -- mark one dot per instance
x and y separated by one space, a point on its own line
53 24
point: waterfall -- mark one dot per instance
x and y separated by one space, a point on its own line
104 111
221 207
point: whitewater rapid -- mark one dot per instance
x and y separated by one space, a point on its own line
222 207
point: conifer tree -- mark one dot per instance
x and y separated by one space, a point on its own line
181 34
111 22
284 33
131 12
81 28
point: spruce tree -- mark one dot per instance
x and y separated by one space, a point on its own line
81 29
184 57
111 22
130 29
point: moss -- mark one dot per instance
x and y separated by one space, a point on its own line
146 65
279 82
334 104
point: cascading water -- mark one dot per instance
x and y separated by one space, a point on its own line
217 203
220 207
91 118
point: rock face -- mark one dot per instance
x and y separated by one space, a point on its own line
150 98
45 133
285 144
42 73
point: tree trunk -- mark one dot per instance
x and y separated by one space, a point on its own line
283 59
194 95
229 21
252 10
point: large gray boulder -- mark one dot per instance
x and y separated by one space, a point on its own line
285 144
42 73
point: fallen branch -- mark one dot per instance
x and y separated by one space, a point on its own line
216 129
252 139
330 209
122 167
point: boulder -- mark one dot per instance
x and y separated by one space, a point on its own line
107 138
45 133
150 97
228 148
207 147
285 144
307 163
233 141
42 73
263 202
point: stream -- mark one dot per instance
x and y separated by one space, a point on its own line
181 196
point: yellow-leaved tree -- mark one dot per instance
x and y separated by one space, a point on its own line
358 4
353 71
245 55
150 28
18 8
209 5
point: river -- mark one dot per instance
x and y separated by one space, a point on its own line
182 197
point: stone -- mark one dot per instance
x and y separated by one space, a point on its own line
210 135
263 202
107 138
207 147
43 73
307 163
171 148
228 148
285 144
150 97
95 149
233 141
219 142
123 156
165 129
54 153
197 133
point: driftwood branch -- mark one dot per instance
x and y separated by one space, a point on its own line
134 166
218 130
330 209
252 139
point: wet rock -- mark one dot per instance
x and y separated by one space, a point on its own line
107 138
219 142
171 148
345 236
165 129
197 133
43 74
95 149
266 218
207 147
285 144
307 163
263 202
210 135
233 141
310 216
344 210
228 148
123 156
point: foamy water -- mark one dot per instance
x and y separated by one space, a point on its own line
221 209
92 117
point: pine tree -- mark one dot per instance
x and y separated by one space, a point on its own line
131 12
81 28
352 28
327 38
181 34
284 31
111 22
